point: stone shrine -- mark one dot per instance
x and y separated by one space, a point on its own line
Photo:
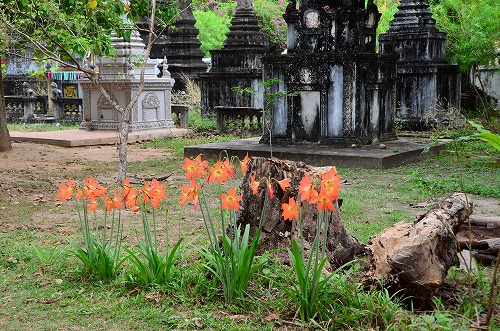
343 91
426 83
118 76
181 47
237 64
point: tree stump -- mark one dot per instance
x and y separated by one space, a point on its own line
412 259
278 234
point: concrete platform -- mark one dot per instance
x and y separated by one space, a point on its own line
398 152
73 138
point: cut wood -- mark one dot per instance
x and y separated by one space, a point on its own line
278 234
413 259
490 222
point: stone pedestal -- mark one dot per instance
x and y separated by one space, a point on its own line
426 83
344 91
238 64
119 78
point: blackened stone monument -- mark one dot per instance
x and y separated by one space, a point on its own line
344 92
180 46
237 64
426 83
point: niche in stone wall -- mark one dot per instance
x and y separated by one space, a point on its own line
105 110
151 107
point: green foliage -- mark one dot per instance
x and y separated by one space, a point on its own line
473 30
157 268
100 253
486 135
271 22
213 29
71 29
387 8
213 19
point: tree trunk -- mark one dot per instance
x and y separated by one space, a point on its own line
5 141
277 233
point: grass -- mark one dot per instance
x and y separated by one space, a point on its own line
38 127
41 291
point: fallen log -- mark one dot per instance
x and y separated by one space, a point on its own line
413 259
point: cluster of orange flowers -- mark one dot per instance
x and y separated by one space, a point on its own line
200 173
151 193
198 169
329 186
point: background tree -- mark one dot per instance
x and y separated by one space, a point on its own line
66 31
5 142
213 19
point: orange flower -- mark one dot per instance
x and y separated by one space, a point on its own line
284 183
154 193
244 164
254 185
306 189
231 200
290 210
195 168
92 189
190 193
324 201
130 195
117 200
93 204
330 178
108 202
65 190
221 172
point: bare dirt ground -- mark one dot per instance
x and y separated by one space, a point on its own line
30 174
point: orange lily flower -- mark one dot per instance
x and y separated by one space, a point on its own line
231 200
244 164
190 193
195 168
306 189
93 204
108 202
130 195
154 193
254 185
220 173
65 190
324 201
284 183
330 178
290 210
93 189
117 200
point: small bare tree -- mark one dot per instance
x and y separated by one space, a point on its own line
65 32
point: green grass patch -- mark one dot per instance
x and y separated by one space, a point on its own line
40 127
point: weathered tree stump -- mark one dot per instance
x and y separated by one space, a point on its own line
278 234
413 259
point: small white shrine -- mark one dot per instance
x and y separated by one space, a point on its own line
120 78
